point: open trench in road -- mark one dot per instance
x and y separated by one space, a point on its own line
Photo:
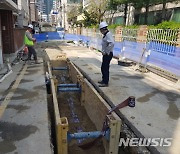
85 111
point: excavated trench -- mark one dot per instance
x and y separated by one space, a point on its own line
79 121
69 106
85 111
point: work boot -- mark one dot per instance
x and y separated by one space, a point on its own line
103 85
100 82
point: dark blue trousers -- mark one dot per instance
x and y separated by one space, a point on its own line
105 67
32 51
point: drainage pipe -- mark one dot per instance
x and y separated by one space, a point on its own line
86 135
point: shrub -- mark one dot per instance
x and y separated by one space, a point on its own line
166 25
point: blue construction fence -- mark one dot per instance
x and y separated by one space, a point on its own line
157 54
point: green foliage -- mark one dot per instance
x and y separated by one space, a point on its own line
132 27
166 25
90 19
163 25
113 26
94 26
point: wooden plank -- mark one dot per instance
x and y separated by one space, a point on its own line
75 74
115 127
95 106
55 101
61 127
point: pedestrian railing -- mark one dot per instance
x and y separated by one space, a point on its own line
129 34
153 47
163 40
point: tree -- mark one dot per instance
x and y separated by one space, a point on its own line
164 2
98 8
89 19
113 7
72 15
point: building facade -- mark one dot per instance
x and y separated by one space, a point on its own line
23 13
8 14
33 12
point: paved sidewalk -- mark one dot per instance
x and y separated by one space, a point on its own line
24 126
157 108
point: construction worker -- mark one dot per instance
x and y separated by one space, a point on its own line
107 52
29 42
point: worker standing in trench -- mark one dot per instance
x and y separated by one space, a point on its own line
107 52
29 42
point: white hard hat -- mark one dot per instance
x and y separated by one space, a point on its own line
30 26
103 25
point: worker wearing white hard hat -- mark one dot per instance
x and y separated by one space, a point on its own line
103 25
107 52
29 42
30 26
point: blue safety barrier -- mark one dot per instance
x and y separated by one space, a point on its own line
161 55
47 36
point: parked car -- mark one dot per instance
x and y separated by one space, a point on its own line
61 32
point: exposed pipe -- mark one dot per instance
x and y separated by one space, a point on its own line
86 135
68 85
69 89
59 68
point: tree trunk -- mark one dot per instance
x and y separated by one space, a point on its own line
146 13
111 20
164 10
125 13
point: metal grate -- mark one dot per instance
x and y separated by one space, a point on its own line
163 40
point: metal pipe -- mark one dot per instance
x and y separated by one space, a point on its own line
69 89
86 135
68 85
59 68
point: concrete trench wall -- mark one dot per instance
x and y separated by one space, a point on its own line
94 104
